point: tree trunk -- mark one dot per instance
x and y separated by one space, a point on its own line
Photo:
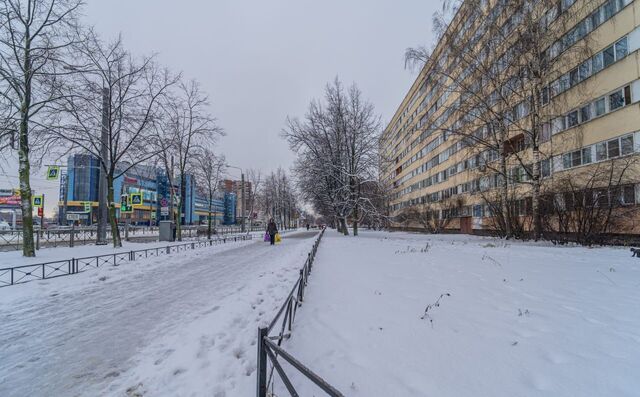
113 220
535 197
209 218
355 220
28 247
504 198
345 229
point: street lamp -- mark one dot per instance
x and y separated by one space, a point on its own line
242 202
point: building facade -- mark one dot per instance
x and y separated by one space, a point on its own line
445 163
81 181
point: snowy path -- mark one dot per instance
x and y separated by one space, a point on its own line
88 336
521 319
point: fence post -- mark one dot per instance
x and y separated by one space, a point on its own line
262 363
73 234
37 240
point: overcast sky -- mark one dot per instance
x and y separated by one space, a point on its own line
261 61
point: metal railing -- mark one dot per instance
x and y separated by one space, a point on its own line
270 346
66 267
11 240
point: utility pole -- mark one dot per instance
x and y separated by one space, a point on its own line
103 210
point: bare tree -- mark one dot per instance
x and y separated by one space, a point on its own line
188 126
33 34
111 105
254 177
209 169
337 146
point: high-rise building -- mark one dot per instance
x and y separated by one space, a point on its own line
525 111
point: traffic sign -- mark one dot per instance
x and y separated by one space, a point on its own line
38 201
164 211
53 172
73 217
40 212
136 199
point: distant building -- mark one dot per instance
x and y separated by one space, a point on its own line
81 186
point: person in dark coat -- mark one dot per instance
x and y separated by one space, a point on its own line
272 229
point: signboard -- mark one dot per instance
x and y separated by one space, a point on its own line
53 172
87 206
153 215
38 201
125 205
40 212
164 211
73 217
136 199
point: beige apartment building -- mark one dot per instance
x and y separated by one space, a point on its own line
567 155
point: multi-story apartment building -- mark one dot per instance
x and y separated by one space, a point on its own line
474 142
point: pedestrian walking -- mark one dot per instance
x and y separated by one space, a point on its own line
272 230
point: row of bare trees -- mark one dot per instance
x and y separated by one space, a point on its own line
63 89
500 76
337 147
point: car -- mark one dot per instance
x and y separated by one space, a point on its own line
5 225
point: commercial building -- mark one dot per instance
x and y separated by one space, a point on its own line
440 163
81 181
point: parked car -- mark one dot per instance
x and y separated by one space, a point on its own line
5 225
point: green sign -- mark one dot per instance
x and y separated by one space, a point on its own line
53 172
87 206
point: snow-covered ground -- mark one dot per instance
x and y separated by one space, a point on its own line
178 325
514 319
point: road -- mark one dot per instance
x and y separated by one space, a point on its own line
71 344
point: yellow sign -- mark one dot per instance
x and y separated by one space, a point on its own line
53 172
38 201
136 199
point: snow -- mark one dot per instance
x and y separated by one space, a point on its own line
521 319
178 325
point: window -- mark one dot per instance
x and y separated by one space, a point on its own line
586 155
585 114
572 119
601 151
616 100
628 195
626 145
597 62
545 168
566 161
600 107
613 147
576 158
609 56
622 49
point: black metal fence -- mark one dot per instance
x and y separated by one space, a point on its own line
66 267
11 240
269 346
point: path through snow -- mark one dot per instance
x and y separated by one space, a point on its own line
179 325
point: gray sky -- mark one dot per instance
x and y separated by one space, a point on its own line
263 60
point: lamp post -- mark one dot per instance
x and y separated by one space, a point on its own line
242 201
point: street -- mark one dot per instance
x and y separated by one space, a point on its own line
73 343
